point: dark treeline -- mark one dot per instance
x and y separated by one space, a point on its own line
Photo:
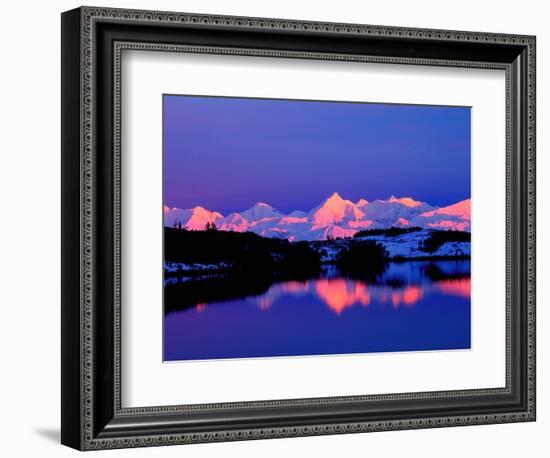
438 238
244 251
390 232
261 256
256 264
366 259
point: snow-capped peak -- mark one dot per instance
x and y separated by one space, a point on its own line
407 201
262 204
362 202
198 210
259 211
334 198
334 210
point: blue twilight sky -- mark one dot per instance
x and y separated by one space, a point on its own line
228 153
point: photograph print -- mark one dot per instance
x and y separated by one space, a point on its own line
314 228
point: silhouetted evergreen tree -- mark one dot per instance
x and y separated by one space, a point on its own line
365 259
211 226
178 226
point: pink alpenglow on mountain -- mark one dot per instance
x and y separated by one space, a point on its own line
402 222
335 210
454 217
335 217
193 219
461 209
361 224
407 201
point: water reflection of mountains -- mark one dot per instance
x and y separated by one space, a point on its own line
400 283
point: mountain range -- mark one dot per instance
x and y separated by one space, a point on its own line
333 218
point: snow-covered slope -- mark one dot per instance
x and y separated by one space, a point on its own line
408 245
456 217
394 211
260 211
335 217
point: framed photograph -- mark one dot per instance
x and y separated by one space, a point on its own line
278 228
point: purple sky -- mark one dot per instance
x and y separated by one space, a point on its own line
228 153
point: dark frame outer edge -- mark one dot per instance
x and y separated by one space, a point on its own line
70 230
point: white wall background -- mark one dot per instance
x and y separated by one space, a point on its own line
30 228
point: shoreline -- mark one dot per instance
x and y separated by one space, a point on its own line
227 269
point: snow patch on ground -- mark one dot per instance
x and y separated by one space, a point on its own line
180 267
409 245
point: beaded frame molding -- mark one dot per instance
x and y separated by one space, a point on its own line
93 40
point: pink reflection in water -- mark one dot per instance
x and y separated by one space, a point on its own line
201 307
340 294
406 296
459 287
